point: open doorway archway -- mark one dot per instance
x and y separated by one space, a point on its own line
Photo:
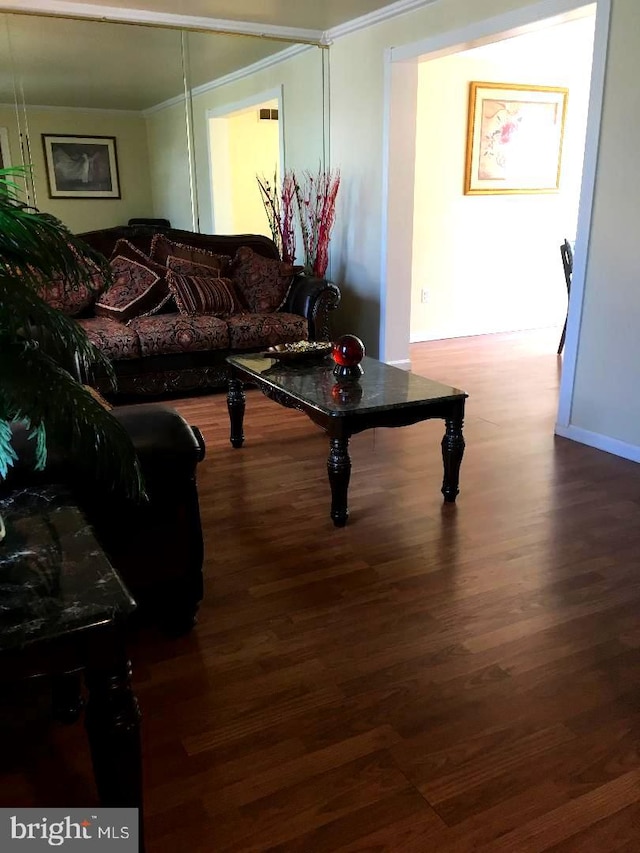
399 168
245 139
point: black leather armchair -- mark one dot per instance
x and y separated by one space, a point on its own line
156 546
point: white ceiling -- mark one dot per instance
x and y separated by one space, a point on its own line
308 14
58 61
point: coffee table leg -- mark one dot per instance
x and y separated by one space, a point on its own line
452 453
339 468
235 404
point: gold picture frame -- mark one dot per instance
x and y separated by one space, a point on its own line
514 138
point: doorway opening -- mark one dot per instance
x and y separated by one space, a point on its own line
246 140
491 262
399 177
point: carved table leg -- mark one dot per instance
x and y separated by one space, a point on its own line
339 468
113 725
452 453
67 702
235 404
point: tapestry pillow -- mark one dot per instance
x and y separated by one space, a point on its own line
187 267
262 283
72 299
168 253
125 249
203 294
139 285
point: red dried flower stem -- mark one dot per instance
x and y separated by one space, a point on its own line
279 210
316 200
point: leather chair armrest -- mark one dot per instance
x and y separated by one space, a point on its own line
166 445
162 438
313 298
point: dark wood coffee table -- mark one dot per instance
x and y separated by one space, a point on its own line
383 396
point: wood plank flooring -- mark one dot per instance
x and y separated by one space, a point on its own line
429 678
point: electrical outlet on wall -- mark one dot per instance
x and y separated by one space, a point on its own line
424 295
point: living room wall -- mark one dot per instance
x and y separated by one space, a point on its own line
131 141
169 165
301 79
87 78
491 263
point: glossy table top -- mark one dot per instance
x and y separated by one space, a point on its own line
381 386
54 577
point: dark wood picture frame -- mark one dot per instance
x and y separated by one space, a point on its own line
81 166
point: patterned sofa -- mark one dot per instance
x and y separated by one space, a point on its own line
169 344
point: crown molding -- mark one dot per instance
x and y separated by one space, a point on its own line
103 110
117 15
400 7
247 71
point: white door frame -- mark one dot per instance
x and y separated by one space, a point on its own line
275 94
395 314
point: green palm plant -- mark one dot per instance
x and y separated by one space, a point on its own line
37 341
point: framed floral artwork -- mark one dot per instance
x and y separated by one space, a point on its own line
81 166
514 138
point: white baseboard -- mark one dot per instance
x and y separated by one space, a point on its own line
600 442
403 364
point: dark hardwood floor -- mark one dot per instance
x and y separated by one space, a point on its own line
431 677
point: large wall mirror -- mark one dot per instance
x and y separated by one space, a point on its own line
122 121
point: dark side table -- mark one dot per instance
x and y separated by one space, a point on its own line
63 610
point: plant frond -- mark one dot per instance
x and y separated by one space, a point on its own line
7 453
32 319
36 246
62 413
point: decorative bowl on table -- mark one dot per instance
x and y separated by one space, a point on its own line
299 351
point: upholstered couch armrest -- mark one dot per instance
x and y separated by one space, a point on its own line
313 298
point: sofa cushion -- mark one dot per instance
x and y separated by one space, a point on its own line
114 339
247 331
184 259
262 283
203 295
163 334
139 286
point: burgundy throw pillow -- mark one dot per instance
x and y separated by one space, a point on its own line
181 257
139 285
183 266
71 299
203 295
125 249
262 283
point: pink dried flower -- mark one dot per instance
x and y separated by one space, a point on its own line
316 198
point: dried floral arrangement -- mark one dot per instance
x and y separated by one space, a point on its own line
314 199
279 207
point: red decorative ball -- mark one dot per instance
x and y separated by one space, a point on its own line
346 393
347 351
